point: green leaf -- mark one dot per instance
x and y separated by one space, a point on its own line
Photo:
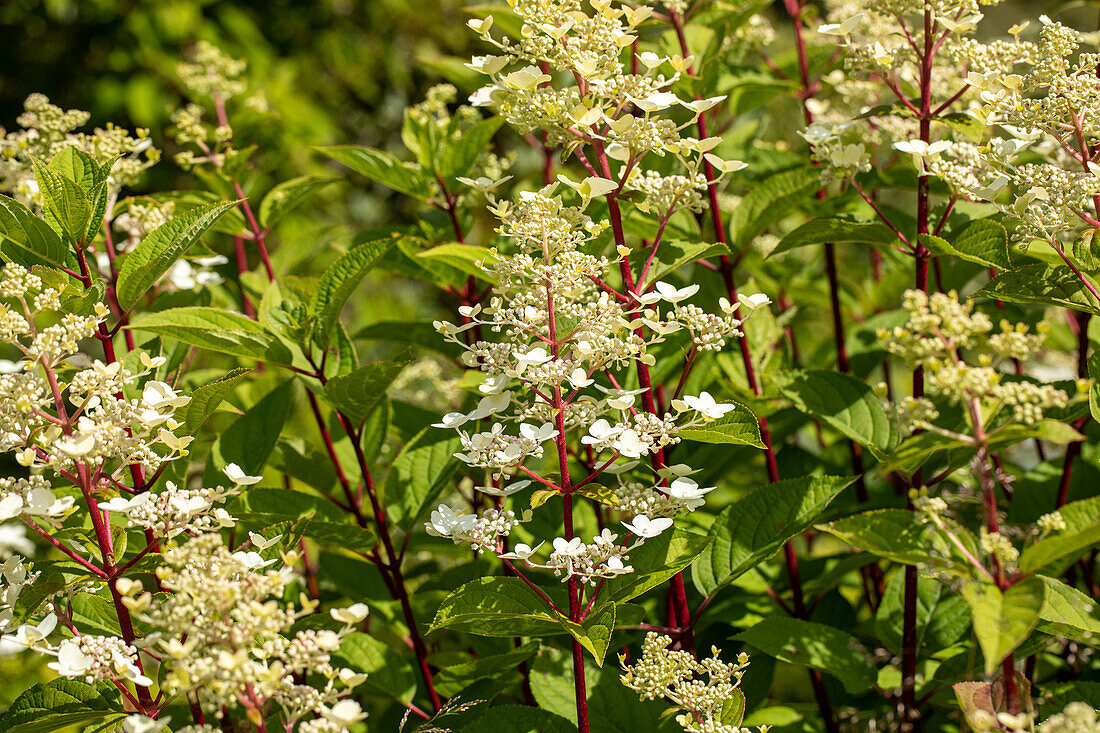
464 152
249 441
384 168
983 242
58 705
357 393
29 241
1094 388
816 646
514 719
67 207
674 254
1067 543
594 632
388 672
847 404
1053 431
463 257
837 231
942 616
160 249
1043 284
768 201
737 427
733 710
79 167
206 399
453 679
753 529
1003 620
419 473
657 560
497 606
894 534
915 450
284 197
1068 612
337 284
217 330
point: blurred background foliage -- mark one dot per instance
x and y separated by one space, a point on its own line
333 71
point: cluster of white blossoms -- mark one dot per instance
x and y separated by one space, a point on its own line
869 108
704 689
556 342
602 100
226 637
939 333
102 429
1048 114
561 339
48 129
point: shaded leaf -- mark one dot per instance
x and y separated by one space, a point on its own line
816 646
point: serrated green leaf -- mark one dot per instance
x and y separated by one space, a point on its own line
1002 620
847 404
894 534
1067 543
1068 612
768 201
816 646
674 254
464 152
462 257
388 672
217 330
283 198
382 167
737 427
66 206
249 441
160 249
206 399
419 473
1049 285
29 241
357 393
657 560
497 606
514 719
753 529
337 284
836 231
59 705
594 632
451 680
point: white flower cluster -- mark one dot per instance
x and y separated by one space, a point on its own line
701 688
226 637
561 339
560 34
939 329
48 129
868 110
103 429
